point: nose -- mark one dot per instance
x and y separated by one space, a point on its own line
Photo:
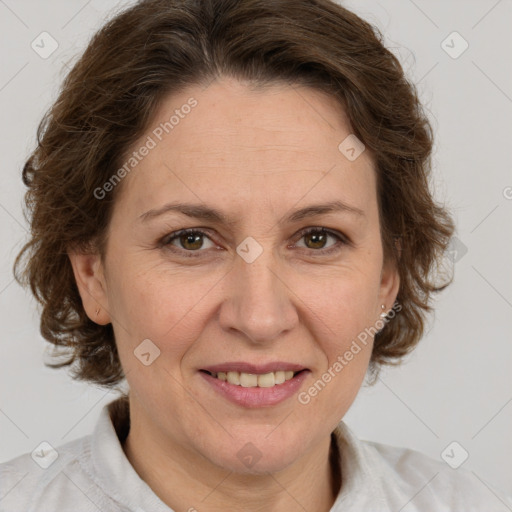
259 303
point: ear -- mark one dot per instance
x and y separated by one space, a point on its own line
389 285
90 279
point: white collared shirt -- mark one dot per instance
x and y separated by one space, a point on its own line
93 474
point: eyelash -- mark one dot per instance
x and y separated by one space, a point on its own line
166 241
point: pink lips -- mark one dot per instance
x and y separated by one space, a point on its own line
255 396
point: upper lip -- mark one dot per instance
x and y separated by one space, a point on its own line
243 367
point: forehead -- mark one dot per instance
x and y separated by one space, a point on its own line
271 144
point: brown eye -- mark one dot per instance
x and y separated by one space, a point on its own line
316 239
191 241
187 241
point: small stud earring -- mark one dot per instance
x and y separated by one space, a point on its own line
383 314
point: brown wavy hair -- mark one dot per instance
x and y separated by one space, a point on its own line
159 47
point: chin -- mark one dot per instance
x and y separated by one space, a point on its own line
264 465
256 454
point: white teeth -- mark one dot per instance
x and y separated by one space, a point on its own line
234 378
279 377
251 380
248 380
267 380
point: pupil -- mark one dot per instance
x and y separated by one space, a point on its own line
192 239
317 239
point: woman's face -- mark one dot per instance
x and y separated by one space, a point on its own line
248 290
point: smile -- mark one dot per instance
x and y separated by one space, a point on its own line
261 386
252 380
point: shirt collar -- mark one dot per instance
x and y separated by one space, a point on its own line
115 474
360 487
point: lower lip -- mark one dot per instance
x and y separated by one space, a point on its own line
256 397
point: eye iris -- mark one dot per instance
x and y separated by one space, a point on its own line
193 239
317 238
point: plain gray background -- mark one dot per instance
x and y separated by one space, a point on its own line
456 386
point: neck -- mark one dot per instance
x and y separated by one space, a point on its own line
184 481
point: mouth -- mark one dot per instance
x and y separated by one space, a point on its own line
250 385
253 380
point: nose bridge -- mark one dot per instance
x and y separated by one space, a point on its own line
259 303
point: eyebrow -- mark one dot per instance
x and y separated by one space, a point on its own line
207 213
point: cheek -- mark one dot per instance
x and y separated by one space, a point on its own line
344 305
164 310
166 307
343 316
171 306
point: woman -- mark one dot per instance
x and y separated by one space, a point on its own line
230 209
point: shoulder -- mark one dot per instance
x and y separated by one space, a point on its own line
429 482
54 477
395 478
